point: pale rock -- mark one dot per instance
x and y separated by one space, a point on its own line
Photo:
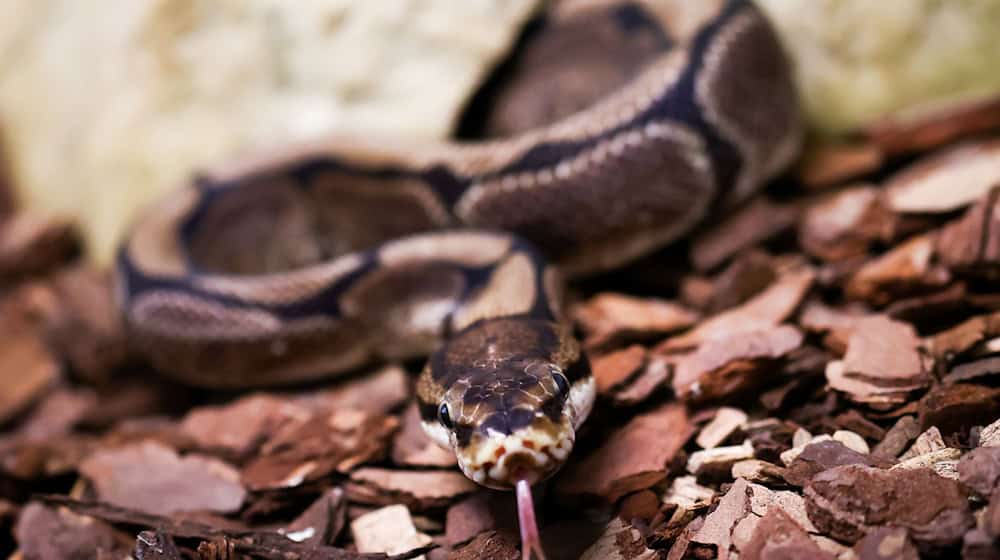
758 471
685 492
389 530
103 109
990 436
942 461
858 60
801 437
926 442
852 440
727 420
719 460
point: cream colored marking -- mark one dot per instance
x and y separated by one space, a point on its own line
689 143
285 287
155 246
438 433
178 315
552 283
581 401
511 290
547 451
754 169
465 248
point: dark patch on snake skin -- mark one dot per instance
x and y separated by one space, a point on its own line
324 303
633 18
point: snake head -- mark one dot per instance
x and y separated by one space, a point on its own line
507 395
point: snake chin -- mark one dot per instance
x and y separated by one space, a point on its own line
531 454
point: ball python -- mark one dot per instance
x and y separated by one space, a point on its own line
295 265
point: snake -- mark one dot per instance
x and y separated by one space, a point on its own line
294 265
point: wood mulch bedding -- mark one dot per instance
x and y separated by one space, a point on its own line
815 375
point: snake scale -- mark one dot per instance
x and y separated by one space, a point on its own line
298 265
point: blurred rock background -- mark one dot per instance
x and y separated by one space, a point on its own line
105 105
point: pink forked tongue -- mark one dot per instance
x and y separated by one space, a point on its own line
530 541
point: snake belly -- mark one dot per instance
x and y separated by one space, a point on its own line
320 259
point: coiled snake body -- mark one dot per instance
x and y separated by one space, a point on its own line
317 260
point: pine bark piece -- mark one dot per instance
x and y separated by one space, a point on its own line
979 470
412 447
717 463
724 366
954 409
655 375
492 544
759 472
990 435
980 545
974 370
944 462
418 490
609 318
971 244
750 273
754 223
27 368
153 478
904 270
321 523
820 456
725 422
620 541
483 511
236 540
48 533
239 428
31 244
946 181
729 529
649 440
897 438
964 337
764 311
717 533
882 364
927 442
887 543
318 445
614 369
845 224
379 392
850 501
934 127
643 505
154 545
389 529
836 324
83 326
778 536
832 163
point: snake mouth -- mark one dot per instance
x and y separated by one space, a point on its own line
531 455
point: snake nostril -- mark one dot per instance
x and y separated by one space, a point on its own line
500 452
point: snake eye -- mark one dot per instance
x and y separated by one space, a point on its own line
444 417
561 383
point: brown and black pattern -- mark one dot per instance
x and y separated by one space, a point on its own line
316 260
